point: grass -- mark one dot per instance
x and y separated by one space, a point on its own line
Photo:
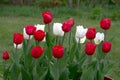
13 19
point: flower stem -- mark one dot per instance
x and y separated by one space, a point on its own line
69 42
63 39
48 28
105 32
57 70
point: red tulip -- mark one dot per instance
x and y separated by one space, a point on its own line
30 29
106 46
105 23
58 51
91 33
71 21
17 38
36 51
47 17
66 27
90 48
107 78
39 35
5 55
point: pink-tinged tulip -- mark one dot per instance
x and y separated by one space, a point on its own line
39 35
105 23
66 27
90 48
5 55
106 46
47 17
91 33
30 29
36 51
71 21
58 51
17 38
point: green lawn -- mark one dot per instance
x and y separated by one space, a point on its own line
10 24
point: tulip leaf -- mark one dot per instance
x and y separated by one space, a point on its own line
14 71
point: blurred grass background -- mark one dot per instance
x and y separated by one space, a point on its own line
14 17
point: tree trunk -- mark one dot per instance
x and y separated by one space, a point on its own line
78 4
21 2
14 2
70 3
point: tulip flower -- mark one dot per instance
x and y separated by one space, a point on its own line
5 55
66 27
47 17
36 51
19 46
71 21
40 27
39 35
30 29
82 40
17 38
80 32
90 48
106 46
107 78
57 29
25 35
91 33
99 37
105 23
58 51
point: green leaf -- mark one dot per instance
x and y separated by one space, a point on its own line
72 52
64 75
48 39
25 74
14 71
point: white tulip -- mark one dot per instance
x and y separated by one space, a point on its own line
99 37
80 32
40 27
82 40
25 35
19 46
57 29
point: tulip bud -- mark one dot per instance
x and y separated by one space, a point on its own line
47 17
17 38
39 35
105 23
106 46
99 37
90 48
30 29
57 29
5 55
36 51
66 27
80 32
58 51
71 21
25 35
91 33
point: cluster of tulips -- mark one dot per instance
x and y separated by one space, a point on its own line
54 58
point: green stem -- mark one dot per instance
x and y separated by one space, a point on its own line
69 42
57 70
63 39
48 28
105 32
